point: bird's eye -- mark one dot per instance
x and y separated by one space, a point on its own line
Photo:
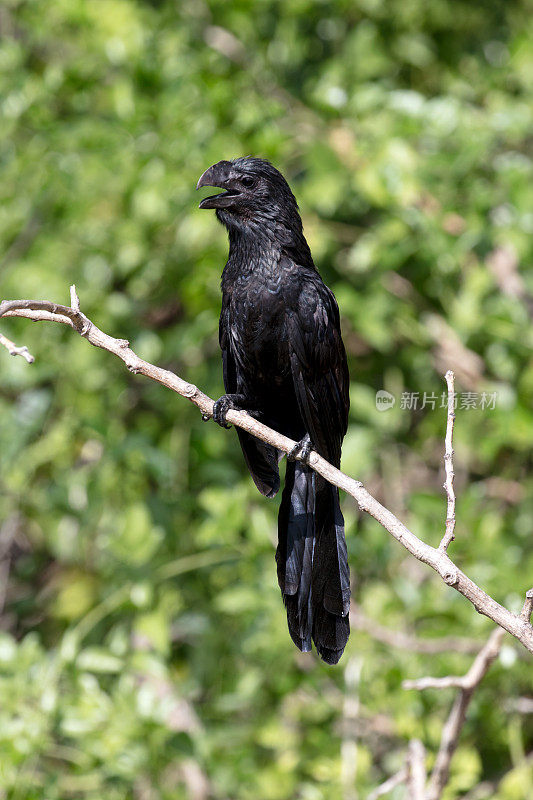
247 181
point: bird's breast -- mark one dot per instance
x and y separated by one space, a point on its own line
258 332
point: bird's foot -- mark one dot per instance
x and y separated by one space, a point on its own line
301 450
223 405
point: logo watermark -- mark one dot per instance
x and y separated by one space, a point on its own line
417 401
384 400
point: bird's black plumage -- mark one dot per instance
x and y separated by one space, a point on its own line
284 361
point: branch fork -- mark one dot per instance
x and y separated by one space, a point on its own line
13 350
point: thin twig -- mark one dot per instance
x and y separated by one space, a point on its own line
416 781
449 682
13 350
395 780
527 609
74 299
449 534
454 724
434 557
467 684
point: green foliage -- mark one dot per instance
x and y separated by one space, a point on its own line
144 642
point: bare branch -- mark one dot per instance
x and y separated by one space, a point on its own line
416 759
449 682
74 299
449 534
528 606
434 557
407 641
13 350
390 784
467 684
454 723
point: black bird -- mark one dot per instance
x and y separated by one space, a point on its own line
284 362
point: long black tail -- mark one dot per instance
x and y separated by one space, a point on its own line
312 563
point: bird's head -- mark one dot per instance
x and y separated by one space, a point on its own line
255 195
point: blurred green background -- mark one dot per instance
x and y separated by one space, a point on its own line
144 651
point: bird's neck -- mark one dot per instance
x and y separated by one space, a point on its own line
242 230
258 246
253 253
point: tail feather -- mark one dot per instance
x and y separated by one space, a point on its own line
294 555
330 635
331 557
312 563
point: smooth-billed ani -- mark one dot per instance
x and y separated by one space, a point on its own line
284 362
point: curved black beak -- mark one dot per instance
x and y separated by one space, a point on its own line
218 175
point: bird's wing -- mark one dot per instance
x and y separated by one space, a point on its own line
318 365
320 377
261 459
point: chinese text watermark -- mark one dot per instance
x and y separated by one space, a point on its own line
418 401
